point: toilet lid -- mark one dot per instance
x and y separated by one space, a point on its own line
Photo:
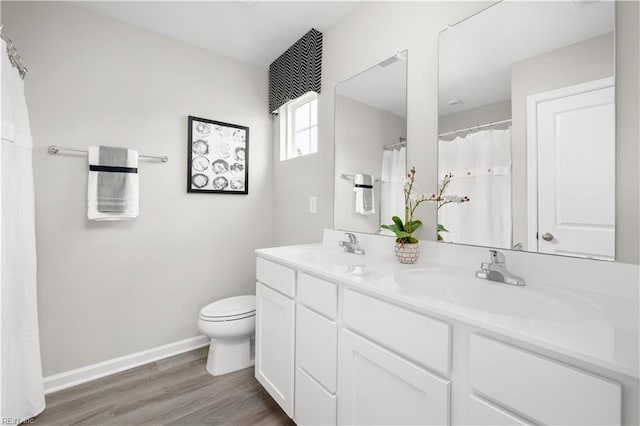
230 307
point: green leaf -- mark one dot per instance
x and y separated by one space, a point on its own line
441 228
411 227
399 233
403 234
398 223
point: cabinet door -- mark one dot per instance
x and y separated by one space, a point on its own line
483 413
314 405
379 387
275 317
542 389
317 347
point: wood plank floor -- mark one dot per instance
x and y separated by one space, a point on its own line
173 391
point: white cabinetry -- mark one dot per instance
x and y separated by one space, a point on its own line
417 337
275 328
370 359
316 351
378 387
483 413
541 389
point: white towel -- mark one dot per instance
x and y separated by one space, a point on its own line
132 191
363 187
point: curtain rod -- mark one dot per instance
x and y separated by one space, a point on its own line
54 149
14 56
403 142
480 126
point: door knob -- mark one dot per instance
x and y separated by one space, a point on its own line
547 236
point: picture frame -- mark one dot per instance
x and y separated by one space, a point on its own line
217 157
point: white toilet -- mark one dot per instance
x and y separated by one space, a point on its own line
231 324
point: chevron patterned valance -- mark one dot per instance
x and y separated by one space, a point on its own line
297 71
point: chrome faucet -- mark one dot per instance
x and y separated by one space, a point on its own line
496 270
352 245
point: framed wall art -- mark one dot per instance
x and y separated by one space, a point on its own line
218 157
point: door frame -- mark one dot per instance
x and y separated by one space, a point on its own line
532 146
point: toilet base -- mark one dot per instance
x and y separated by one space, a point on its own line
227 356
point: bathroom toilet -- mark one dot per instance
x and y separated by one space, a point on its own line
231 324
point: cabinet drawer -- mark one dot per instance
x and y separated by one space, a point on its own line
314 405
541 389
483 413
420 338
319 295
317 347
276 276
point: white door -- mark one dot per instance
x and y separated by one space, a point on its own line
378 387
573 129
275 325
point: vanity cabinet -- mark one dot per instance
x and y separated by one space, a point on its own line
336 354
275 328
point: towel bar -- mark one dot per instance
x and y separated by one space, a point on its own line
54 149
350 177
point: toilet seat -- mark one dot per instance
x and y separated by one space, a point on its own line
229 309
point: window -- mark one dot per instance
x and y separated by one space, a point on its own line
299 126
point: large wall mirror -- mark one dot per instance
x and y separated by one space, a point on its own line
527 128
370 145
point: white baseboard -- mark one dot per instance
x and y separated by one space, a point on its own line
75 377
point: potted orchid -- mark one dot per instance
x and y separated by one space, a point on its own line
407 248
443 200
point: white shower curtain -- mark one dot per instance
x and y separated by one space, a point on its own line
394 169
20 369
481 167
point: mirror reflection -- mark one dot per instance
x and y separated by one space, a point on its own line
370 146
527 128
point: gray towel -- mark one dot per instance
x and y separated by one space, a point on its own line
363 187
112 185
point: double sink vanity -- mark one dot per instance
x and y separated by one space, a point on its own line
527 125
347 339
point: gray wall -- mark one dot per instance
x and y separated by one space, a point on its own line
110 289
581 62
375 30
361 133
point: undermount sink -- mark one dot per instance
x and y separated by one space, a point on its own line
329 256
455 287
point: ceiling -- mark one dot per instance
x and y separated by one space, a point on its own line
476 55
380 87
253 32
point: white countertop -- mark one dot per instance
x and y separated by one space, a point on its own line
597 328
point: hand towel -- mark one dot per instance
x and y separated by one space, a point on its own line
363 187
112 192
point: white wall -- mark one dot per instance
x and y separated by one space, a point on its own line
110 289
375 30
361 133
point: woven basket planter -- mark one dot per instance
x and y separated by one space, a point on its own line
407 253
